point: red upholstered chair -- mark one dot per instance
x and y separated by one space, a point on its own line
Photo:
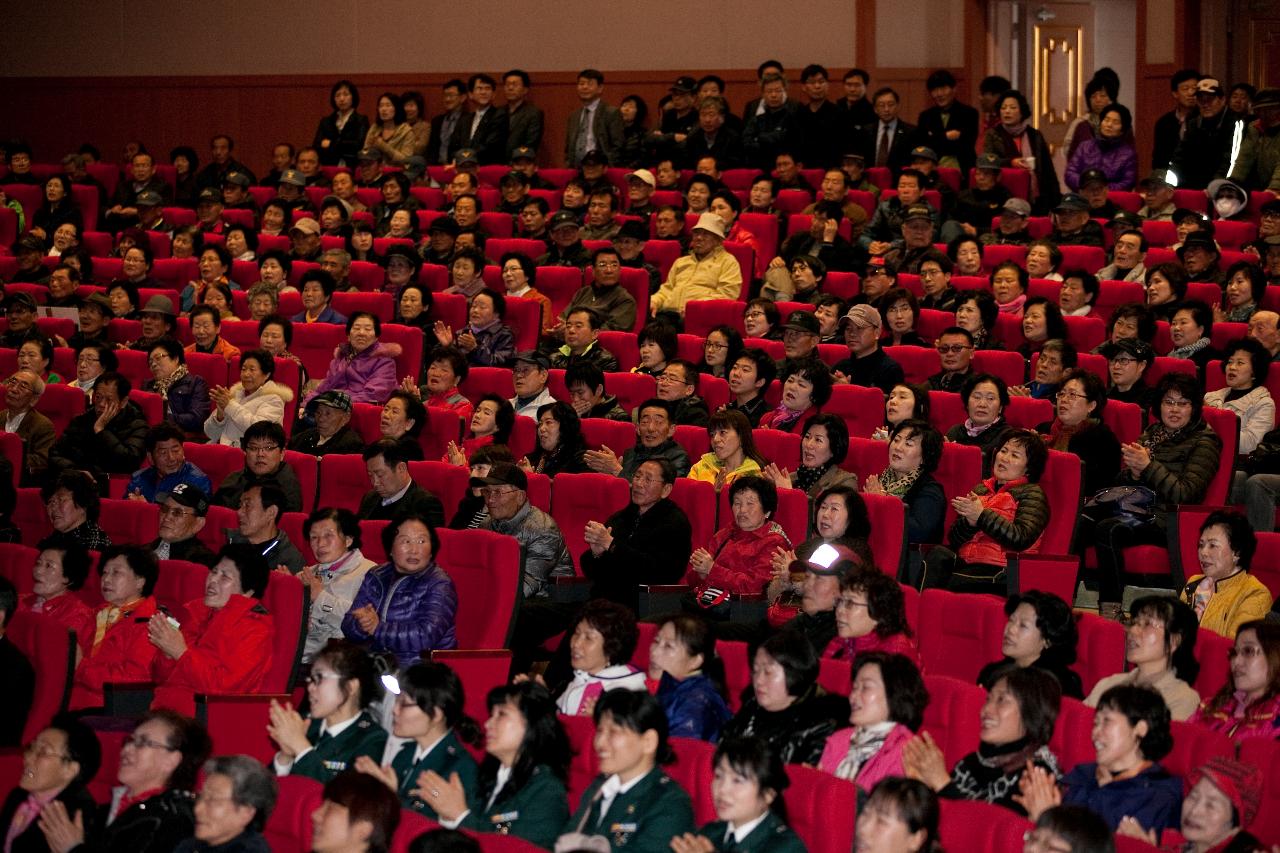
481 670
618 436
343 480
11 449
152 405
888 531
918 363
1099 651
946 409
1028 412
959 633
1193 745
1124 419
698 500
579 498
381 305
952 717
778 447
443 426
307 469
294 524
973 826
30 517
1264 754
371 539
16 561
486 570
704 314
558 284
624 348
488 380
631 389
1087 258
580 730
1211 651
1266 562
693 772
1061 483
129 522
821 809
497 247
447 482
862 408
792 513
218 461
51 649
289 827
60 404
1072 738
737 669
219 520
835 675
1009 366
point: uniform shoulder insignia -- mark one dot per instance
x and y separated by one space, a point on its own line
364 723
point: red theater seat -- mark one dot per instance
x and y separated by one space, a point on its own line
579 498
821 809
952 717
959 633
51 649
972 826
486 570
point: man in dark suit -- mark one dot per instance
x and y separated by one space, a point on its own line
17 672
949 127
394 492
443 125
888 141
712 138
593 126
524 120
484 128
122 209
20 417
817 121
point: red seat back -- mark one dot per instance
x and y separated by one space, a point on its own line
861 408
692 770
918 363
218 461
888 531
1227 426
973 826
289 826
50 647
1099 651
307 469
1072 738
1215 668
821 809
443 426
60 404
480 670
702 315
778 447
579 498
1061 484
129 522
959 633
343 480
486 571
953 716
1264 754
584 765
289 602
631 389
1193 745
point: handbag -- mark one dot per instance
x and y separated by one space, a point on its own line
1132 505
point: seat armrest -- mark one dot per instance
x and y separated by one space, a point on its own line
660 599
570 590
131 699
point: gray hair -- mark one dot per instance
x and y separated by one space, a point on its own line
252 784
341 256
33 379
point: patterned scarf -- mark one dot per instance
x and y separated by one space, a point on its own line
807 478
864 743
784 418
162 385
1190 349
1060 435
897 484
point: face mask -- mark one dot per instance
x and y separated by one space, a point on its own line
1226 207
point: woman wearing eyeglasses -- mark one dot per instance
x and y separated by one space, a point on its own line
56 767
152 810
1079 429
342 684
1248 705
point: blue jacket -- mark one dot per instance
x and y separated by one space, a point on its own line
1153 798
495 346
416 612
187 405
148 485
328 315
694 708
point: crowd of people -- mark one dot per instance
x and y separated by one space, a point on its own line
942 239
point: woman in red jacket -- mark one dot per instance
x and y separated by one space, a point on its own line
224 642
62 568
119 651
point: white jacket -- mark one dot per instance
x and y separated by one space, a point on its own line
1256 410
265 404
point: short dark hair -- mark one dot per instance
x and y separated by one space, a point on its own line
938 79
390 532
994 85
1140 314
1032 444
188 737
885 90
516 72
75 558
766 369
1082 828
83 490
886 604
201 310
413 410
665 465
661 334
141 561
1138 704
1259 357
350 87
457 361
1054 323
321 277
837 434
1201 314
106 355
268 430
172 348
591 74
754 758
1091 383
858 72
346 521
977 379
903 686
285 324
82 745
1181 76
394 453
617 627
813 70
163 432
1185 384
816 372
793 652
367 315
985 302
931 441
367 800
1055 622
266 361
1240 536
638 711
763 487
1039 696
118 380
914 803
1024 108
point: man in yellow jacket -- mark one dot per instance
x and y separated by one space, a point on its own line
707 272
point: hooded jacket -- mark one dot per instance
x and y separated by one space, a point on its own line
368 376
244 410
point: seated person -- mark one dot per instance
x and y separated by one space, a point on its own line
72 504
529 374
738 557
655 439
915 451
823 447
657 344
335 578
23 390
678 385
263 445
154 809
1056 357
1247 706
582 341
761 319
58 766
182 517
121 650
898 808
1006 512
806 388
871 617
403 417
1018 719
362 366
1221 800
342 685
317 288
393 491
1127 363
733 451
784 706
169 467
224 644
560 448
261 507
252 400
747 785
1078 429
246 793
689 676
486 341
886 708
406 606
359 814
1041 632
61 568
1223 593
1126 782
333 432
492 421
109 438
985 397
506 497
428 713
1190 330
206 328
601 642
749 375
585 383
649 809
1245 364
720 350
868 364
447 369
1160 646
519 788
184 395
20 676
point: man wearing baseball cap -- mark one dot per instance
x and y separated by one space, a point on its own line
707 272
524 159
1072 225
332 433
1093 187
305 239
1127 362
566 249
640 186
1157 197
1012 228
1206 144
680 120
183 510
867 363
980 202
506 495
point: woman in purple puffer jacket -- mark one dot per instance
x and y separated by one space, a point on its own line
408 605
364 367
1111 151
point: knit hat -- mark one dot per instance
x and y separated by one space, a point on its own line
1241 783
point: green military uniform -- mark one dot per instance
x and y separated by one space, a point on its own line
330 755
644 819
536 812
771 835
448 756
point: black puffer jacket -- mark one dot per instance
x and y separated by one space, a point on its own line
797 733
1181 467
996 532
156 825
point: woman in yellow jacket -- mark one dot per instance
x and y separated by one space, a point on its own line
733 451
1224 594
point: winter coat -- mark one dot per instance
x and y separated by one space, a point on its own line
1261 719
799 732
1180 469
243 411
229 650
694 708
887 760
368 376
156 825
1118 160
341 581
416 612
118 449
1000 143
124 655
1013 518
1236 600
742 558
542 543
1256 411
187 403
1153 797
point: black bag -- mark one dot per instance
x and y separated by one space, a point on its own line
1133 505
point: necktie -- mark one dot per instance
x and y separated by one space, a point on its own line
584 131
730 843
882 152
403 765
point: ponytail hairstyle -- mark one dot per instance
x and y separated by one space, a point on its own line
435 687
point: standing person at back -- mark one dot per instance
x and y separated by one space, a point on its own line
949 127
594 126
